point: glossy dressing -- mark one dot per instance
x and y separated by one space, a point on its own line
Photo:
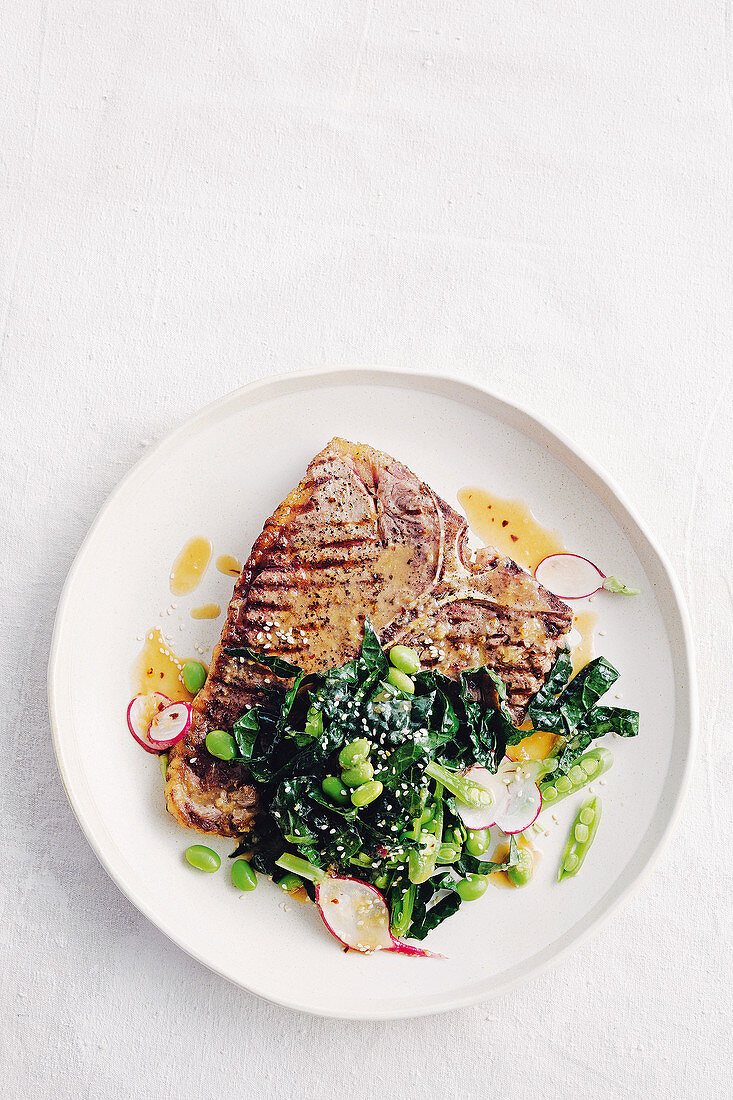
228 565
190 566
157 668
585 623
206 611
510 526
501 851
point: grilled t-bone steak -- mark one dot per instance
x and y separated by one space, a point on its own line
360 536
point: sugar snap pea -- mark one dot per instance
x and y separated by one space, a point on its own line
581 837
587 768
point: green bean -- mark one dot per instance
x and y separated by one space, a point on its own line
472 887
221 744
164 765
428 814
399 680
360 773
589 766
521 872
459 785
582 834
404 659
366 793
381 881
334 789
203 858
448 853
361 859
421 861
354 753
300 866
290 882
194 676
243 876
402 906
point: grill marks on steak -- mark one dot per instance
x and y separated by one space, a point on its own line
360 536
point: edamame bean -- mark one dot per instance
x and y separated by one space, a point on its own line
362 773
472 887
334 789
564 784
590 765
581 833
570 863
290 882
367 793
399 680
549 794
203 858
243 876
586 816
404 659
521 872
221 744
478 842
194 676
353 753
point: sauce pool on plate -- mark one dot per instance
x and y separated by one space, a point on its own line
157 668
190 566
228 565
206 611
509 526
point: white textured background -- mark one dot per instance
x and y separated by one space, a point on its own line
195 193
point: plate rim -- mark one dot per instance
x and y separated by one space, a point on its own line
420 378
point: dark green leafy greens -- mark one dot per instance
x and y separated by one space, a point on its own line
568 707
291 743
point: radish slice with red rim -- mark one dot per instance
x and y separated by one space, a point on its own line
517 799
569 576
357 915
523 802
140 713
482 817
572 577
169 725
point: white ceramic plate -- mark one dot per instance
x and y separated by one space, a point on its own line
221 474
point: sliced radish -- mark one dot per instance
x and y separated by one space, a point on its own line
569 576
169 725
482 817
572 577
357 915
140 713
517 799
523 798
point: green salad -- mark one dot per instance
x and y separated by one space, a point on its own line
380 772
